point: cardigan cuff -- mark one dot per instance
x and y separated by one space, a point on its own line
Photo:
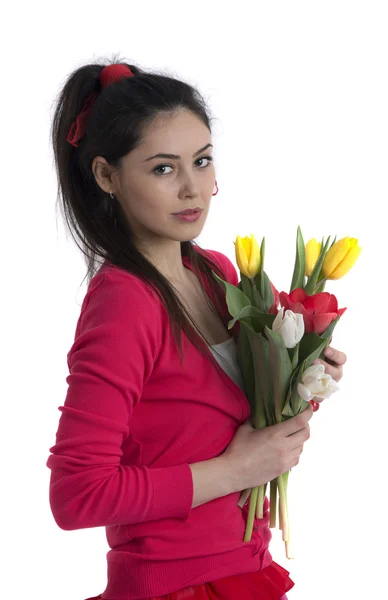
173 489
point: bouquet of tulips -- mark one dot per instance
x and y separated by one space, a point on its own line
279 338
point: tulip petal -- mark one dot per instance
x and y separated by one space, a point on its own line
241 256
315 370
304 392
246 244
296 307
284 300
316 387
335 255
298 295
254 257
299 327
321 303
346 264
322 322
313 249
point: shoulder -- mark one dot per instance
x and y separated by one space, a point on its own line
120 320
225 264
116 296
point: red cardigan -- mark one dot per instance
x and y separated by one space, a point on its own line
132 422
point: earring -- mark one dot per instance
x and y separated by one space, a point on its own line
110 209
216 192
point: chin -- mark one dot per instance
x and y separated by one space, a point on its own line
189 234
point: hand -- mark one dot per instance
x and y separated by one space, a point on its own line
256 456
333 365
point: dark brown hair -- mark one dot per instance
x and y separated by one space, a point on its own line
114 128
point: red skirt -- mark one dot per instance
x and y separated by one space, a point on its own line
270 583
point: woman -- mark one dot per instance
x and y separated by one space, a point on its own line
154 440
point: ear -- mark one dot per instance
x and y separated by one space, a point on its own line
102 172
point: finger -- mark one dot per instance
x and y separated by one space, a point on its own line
335 356
295 424
296 439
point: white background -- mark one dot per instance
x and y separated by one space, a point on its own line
299 92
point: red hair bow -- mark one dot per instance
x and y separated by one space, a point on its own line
108 75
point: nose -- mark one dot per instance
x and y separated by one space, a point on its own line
189 185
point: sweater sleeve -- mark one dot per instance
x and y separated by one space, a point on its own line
117 342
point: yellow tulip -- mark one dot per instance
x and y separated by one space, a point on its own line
248 255
340 258
313 250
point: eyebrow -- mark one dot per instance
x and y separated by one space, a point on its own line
175 156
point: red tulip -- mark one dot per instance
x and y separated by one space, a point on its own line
318 310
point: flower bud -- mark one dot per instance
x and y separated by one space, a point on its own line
315 382
248 255
340 258
313 250
290 327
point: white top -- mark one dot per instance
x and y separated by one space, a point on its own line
228 360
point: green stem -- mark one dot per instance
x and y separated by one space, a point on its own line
260 502
320 286
273 498
287 542
283 517
251 514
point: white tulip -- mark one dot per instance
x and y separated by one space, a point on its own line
315 382
290 327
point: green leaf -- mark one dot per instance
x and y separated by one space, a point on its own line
263 384
253 388
281 370
254 318
313 344
287 411
246 287
308 344
326 335
316 353
258 301
300 263
235 298
266 291
262 254
294 355
296 402
264 297
245 361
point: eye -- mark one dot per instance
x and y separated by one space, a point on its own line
158 171
208 158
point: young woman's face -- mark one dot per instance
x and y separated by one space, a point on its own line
151 189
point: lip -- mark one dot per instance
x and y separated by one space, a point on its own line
189 215
189 211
